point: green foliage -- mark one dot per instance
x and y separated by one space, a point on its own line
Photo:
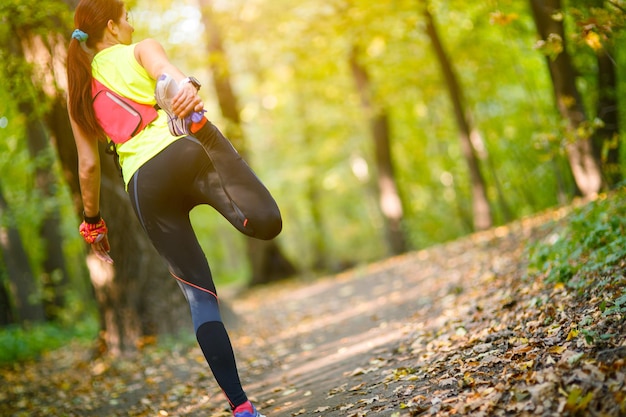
305 127
20 343
39 16
28 21
592 241
226 251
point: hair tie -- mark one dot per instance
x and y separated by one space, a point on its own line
79 35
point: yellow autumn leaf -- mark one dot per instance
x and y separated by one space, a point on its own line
576 401
557 349
523 366
572 334
592 39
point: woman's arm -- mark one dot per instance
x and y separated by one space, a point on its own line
151 55
88 170
89 180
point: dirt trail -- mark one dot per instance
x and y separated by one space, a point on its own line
456 329
335 344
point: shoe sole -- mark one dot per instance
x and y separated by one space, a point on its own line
167 87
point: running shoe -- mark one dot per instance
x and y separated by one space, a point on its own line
166 89
246 410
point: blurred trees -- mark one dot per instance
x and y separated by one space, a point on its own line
27 67
584 166
289 89
468 134
377 115
21 288
597 24
592 131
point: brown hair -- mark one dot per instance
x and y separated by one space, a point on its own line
91 17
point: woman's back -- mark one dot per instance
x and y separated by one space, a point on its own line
117 68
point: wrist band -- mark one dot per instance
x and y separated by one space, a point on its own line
92 220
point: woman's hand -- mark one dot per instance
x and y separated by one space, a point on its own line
186 101
101 249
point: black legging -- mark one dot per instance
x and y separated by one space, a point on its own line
194 170
204 169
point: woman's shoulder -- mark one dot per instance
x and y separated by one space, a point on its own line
148 44
147 48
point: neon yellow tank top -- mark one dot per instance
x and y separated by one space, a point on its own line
117 68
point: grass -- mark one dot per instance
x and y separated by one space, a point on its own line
25 342
591 243
587 254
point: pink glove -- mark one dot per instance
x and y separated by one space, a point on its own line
93 233
96 235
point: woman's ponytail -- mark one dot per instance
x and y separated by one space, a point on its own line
90 21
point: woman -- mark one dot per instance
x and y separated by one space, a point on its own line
166 175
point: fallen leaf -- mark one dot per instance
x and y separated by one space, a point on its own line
369 400
557 349
357 387
346 407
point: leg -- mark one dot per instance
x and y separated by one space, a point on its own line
214 342
237 192
162 204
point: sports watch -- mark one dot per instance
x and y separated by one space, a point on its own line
193 80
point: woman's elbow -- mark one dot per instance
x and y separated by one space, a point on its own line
87 168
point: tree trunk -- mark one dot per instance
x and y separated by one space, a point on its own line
317 235
389 196
24 288
54 278
480 201
6 308
266 259
320 256
606 141
584 166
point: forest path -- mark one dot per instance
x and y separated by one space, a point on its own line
353 344
456 329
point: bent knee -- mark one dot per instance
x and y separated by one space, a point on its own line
267 226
